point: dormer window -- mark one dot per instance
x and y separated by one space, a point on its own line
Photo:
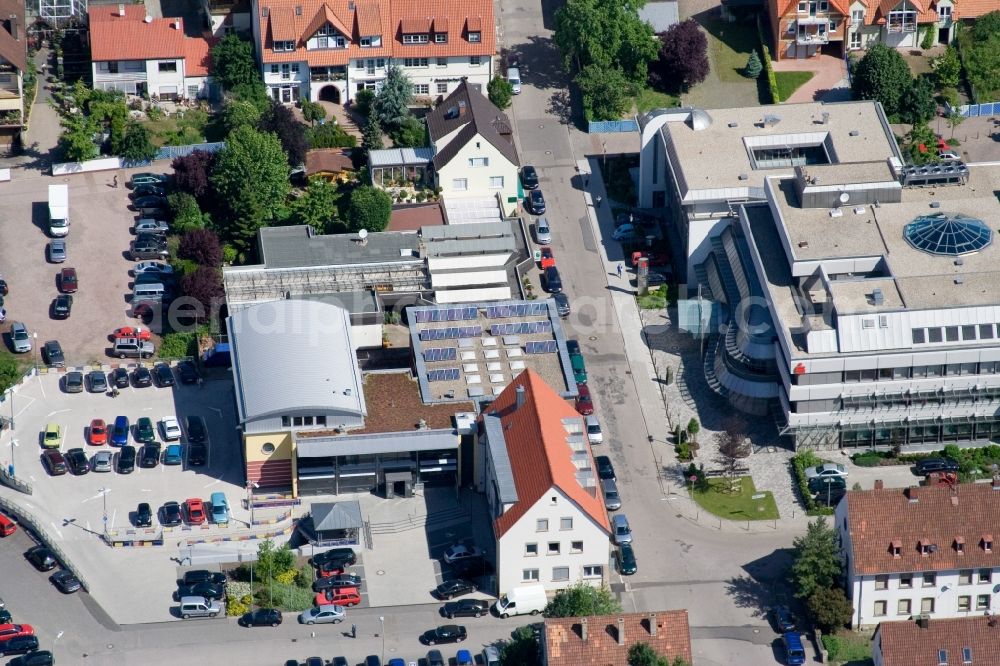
284 46
896 548
475 37
960 545
422 38
925 547
372 41
327 37
988 543
440 38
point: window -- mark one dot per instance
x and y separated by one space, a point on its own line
942 657
593 571
833 26
881 582
951 333
791 27
858 17
918 333
802 6
883 320
880 608
475 37
576 546
934 335
496 183
968 332
415 62
553 548
367 41
944 12
321 420
442 62
461 185
927 605
984 576
380 63
560 573
542 525
267 448
274 69
983 602
297 421
421 89
824 6
479 162
284 46
565 523
903 607
307 420
965 577
966 655
856 44
441 38
930 579
442 88
988 544
475 61
531 549
360 64
169 66
867 323
905 581
416 39
529 574
286 421
986 331
964 604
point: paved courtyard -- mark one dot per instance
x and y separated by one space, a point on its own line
828 84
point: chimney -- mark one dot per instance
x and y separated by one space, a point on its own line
996 483
519 391
177 24
879 485
583 629
652 625
121 9
621 631
12 22
913 494
461 108
923 621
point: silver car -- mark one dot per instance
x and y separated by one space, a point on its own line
101 462
543 232
325 614
57 250
826 470
149 226
20 338
612 500
152 267
621 530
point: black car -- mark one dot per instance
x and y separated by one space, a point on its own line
435 658
126 459
830 498
149 201
197 455
62 306
54 462
626 560
529 178
150 455
553 283
196 430
783 619
5 616
188 373
65 581
77 462
170 514
535 202
331 582
98 381
573 347
203 576
119 377
146 190
53 354
262 617
605 470
562 304
465 608
454 588
205 589
143 515
447 633
19 645
820 484
930 465
343 556
42 558
39 658
142 377
164 375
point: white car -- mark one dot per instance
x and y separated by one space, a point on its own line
101 462
826 470
460 552
949 156
170 428
325 614
152 267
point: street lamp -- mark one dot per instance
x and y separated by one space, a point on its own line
381 621
104 496
34 350
251 484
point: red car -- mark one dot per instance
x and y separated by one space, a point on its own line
655 258
68 281
98 433
584 404
195 510
548 259
9 631
344 596
132 332
323 572
7 526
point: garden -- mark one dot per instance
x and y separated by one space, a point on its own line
273 581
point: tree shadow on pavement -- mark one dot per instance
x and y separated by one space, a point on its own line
540 63
764 585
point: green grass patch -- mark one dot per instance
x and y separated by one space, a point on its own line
656 299
179 129
789 82
618 180
848 647
289 597
721 501
730 45
648 99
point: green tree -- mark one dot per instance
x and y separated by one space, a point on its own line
582 599
255 93
986 27
273 560
238 113
920 145
882 75
186 213
392 103
606 92
77 139
409 134
251 177
947 68
312 111
830 608
369 208
9 372
233 62
816 562
371 138
136 145
317 207
642 654
917 105
693 428
500 91
329 135
954 119
754 66
363 101
521 650
591 32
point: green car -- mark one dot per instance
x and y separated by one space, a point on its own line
579 368
52 438
144 431
626 560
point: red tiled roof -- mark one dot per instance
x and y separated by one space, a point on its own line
415 26
787 7
13 50
565 645
328 160
878 12
129 37
197 60
878 518
323 16
907 644
413 218
448 18
474 24
370 21
540 458
966 9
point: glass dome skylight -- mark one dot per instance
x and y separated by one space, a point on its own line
948 234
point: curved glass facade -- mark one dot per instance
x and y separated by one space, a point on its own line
948 234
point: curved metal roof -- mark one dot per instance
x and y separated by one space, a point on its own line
700 120
949 234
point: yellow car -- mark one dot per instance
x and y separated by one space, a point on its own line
53 436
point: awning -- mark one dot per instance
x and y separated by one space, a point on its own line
376 443
329 517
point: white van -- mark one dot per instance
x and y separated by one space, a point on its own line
522 601
514 78
58 210
154 291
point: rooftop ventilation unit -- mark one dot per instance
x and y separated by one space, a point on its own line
743 176
859 210
935 204
836 212
878 298
826 118
959 280
148 19
854 133
734 124
771 120
959 261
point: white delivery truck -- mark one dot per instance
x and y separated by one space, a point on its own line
58 210
521 601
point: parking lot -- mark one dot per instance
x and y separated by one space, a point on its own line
98 239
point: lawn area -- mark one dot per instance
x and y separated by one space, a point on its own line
718 501
730 45
285 597
656 299
789 82
618 181
849 648
191 126
649 99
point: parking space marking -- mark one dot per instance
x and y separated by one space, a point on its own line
209 485
58 411
113 515
40 386
56 529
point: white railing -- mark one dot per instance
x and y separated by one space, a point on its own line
108 77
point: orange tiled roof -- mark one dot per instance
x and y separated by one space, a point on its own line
878 12
540 458
447 18
940 517
565 644
13 50
906 644
129 37
197 60
966 9
791 7
323 16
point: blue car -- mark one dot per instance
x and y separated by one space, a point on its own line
220 509
464 658
173 455
795 652
119 431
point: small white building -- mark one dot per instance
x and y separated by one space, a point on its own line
534 464
924 552
13 61
141 55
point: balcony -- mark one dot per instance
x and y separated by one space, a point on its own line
321 75
809 38
100 76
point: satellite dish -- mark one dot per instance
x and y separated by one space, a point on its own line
844 197
363 234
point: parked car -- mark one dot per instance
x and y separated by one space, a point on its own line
553 282
625 557
187 372
621 530
448 633
20 339
155 267
563 308
612 500
147 190
584 403
198 607
535 202
543 232
143 334
164 375
826 469
529 178
77 462
148 226
949 156
220 508
57 250
126 460
460 551
54 462
98 381
262 617
465 608
783 619
120 431
142 377
65 581
144 431
173 456
454 588
605 470
579 367
119 377
825 483
170 430
41 558
68 281
52 436
795 652
73 382
62 306
24 644
206 589
147 248
147 178
341 596
929 465
149 202
170 514
197 455
101 461
195 509
435 658
325 614
196 429
39 658
344 555
331 582
143 515
202 576
594 434
547 257
149 455
52 354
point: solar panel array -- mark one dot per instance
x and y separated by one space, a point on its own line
541 347
451 332
446 375
447 314
519 310
440 354
521 328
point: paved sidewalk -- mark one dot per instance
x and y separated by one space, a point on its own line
42 136
829 81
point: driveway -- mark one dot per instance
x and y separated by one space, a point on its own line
828 84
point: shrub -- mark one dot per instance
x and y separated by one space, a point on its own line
928 40
177 345
201 246
235 606
683 451
869 459
800 463
363 101
830 608
287 577
753 67
238 589
329 135
304 576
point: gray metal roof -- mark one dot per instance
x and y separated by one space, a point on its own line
336 516
401 156
375 443
355 302
294 356
499 458
464 239
660 15
291 247
464 231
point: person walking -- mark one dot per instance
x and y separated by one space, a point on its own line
114 182
619 271
354 631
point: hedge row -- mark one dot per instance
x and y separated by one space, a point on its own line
772 81
800 463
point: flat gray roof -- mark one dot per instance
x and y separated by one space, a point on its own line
298 246
660 15
355 302
375 443
506 488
